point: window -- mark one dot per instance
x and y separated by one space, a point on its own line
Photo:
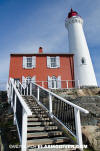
28 80
29 62
54 82
83 60
53 62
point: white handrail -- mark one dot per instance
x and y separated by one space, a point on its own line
26 108
64 100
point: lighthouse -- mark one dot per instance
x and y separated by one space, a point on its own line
83 68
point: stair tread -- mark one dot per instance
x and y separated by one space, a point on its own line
47 141
41 128
40 123
42 134
38 119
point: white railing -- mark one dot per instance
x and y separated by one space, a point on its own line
21 111
65 112
64 84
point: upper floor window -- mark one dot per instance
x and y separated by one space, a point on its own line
53 62
29 62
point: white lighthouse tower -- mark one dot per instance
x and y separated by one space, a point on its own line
83 68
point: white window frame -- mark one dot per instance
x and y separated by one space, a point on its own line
25 62
57 61
57 81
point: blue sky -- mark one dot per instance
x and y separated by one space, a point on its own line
25 25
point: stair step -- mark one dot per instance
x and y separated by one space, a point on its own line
38 119
31 103
39 123
42 128
39 111
44 134
36 109
37 115
45 141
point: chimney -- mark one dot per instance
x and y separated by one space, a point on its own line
40 50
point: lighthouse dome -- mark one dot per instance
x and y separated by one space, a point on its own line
72 13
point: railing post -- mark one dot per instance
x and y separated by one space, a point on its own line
27 89
15 109
12 96
43 84
38 93
24 131
30 88
21 90
9 92
24 91
78 128
50 104
78 84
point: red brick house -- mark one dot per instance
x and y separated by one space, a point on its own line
48 70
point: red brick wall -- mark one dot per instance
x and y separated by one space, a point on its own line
66 70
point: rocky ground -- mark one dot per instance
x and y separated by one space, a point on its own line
8 133
88 98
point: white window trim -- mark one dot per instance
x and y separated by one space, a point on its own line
50 82
25 62
49 62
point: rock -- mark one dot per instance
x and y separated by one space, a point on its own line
88 98
93 135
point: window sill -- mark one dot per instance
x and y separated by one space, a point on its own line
53 67
29 68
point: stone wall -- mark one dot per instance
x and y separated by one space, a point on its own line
88 98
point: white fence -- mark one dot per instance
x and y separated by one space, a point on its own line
56 84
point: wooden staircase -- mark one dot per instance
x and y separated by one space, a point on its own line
41 130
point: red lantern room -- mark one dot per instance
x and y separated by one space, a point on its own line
72 13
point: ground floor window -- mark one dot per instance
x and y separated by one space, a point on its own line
27 80
54 82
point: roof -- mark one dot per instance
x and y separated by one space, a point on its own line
42 54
